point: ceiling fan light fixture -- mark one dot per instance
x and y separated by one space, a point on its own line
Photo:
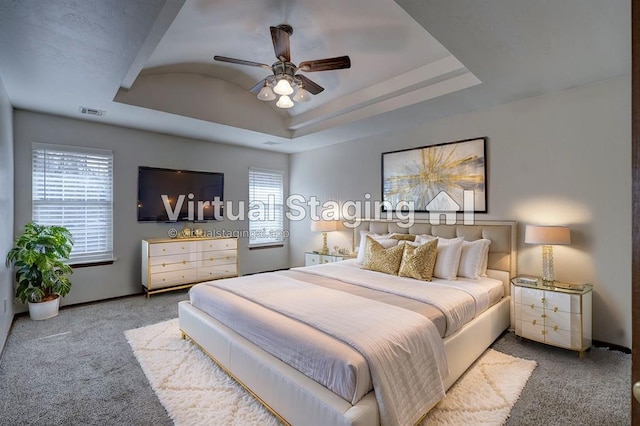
266 94
302 95
284 102
283 87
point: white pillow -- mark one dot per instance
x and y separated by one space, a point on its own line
424 238
485 259
448 258
383 239
471 257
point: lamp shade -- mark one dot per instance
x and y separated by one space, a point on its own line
547 235
284 102
324 225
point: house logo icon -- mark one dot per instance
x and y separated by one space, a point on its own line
444 205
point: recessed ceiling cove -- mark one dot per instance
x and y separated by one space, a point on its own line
394 63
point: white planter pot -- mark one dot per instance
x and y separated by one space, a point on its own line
44 310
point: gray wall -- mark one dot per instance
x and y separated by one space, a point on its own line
133 148
6 212
562 158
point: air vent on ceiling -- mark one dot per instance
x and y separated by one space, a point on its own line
92 111
272 143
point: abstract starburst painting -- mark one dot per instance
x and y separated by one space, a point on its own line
445 177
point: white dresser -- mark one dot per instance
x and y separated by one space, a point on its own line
557 315
169 264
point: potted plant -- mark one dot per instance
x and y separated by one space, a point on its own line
38 256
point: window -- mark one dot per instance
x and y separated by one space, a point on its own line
73 187
265 210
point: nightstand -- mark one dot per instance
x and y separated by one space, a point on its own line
313 258
558 315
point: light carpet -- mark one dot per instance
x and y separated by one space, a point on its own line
195 391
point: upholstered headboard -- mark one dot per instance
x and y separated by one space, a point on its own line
503 234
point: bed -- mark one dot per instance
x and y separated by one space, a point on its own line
294 397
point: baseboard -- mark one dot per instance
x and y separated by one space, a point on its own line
611 346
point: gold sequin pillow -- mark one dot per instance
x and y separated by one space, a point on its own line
403 237
380 259
418 261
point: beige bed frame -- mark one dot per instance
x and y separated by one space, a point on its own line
294 398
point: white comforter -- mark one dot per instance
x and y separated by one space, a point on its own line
403 349
459 307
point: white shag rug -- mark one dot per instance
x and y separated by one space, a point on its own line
195 391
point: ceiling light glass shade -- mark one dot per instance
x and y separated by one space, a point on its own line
266 94
284 102
302 95
283 87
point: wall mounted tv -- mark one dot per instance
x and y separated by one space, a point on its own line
181 190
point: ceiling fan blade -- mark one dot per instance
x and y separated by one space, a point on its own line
241 62
259 85
337 63
281 46
309 85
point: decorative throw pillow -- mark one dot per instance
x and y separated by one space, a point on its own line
448 258
382 238
471 258
485 260
402 237
418 261
381 259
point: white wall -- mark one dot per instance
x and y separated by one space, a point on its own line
6 213
133 148
562 158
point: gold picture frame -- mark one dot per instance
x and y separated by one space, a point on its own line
446 177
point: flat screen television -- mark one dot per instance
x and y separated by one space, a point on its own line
166 195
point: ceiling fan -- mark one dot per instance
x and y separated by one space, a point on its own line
284 80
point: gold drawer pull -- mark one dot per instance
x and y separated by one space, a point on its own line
183 276
164 264
182 248
543 315
555 309
211 258
555 328
543 332
164 249
164 279
226 258
533 322
532 306
326 261
543 300
184 262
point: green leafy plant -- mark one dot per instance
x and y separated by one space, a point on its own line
38 256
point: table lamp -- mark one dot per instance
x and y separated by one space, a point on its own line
324 226
548 236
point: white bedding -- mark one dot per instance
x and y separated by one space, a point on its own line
459 307
403 349
321 357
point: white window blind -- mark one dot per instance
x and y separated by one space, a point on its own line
73 187
266 200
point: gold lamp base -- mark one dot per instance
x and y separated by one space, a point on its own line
325 248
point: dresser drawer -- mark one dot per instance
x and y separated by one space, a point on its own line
172 258
562 338
166 279
532 297
169 267
563 320
178 247
214 272
220 244
220 257
534 316
562 302
532 331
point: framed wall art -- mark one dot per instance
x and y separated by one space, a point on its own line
446 177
